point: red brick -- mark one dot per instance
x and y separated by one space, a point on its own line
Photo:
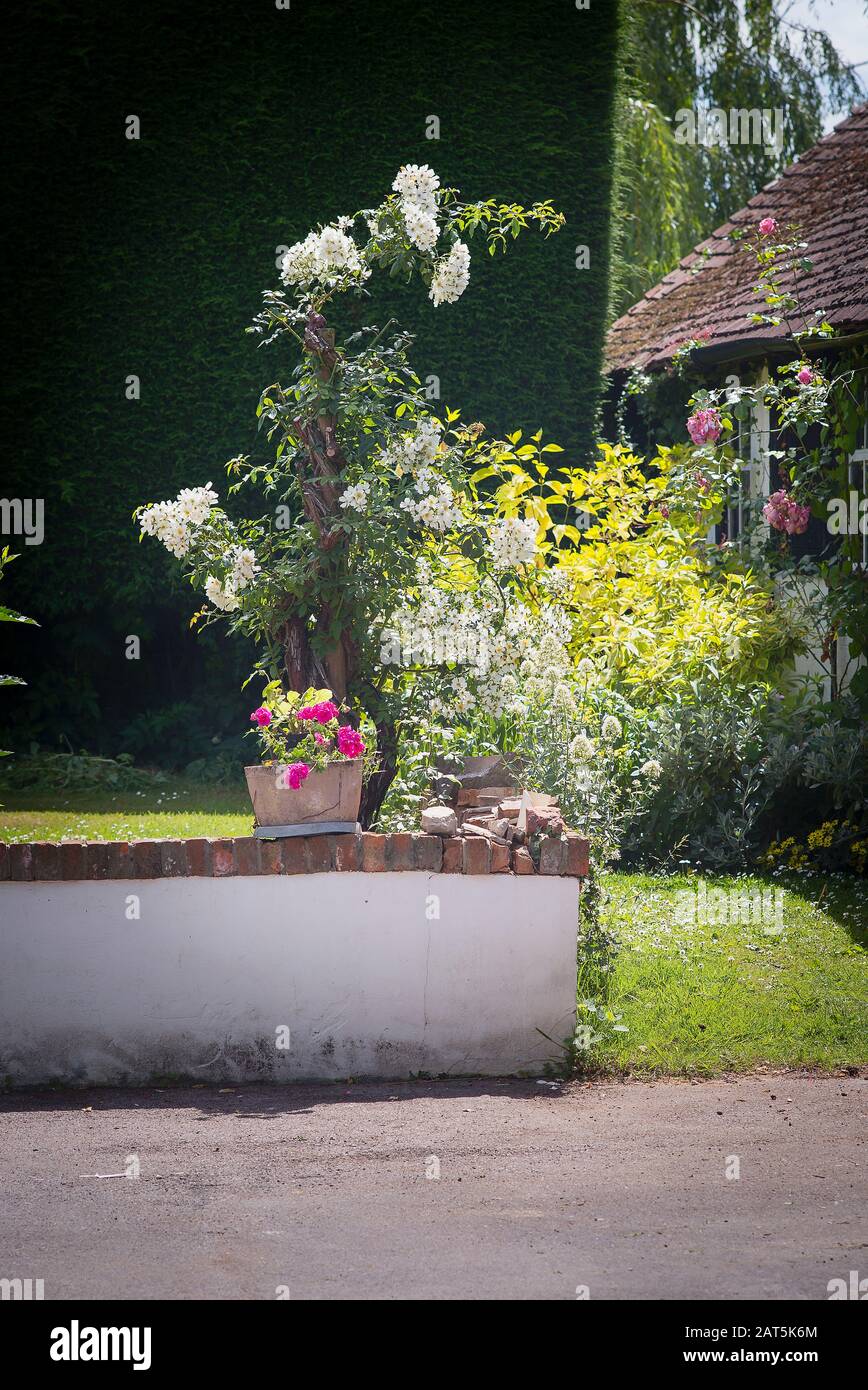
477 855
522 862
223 858
147 858
319 853
294 858
270 857
347 851
46 861
452 856
121 860
247 861
399 851
73 859
173 858
552 855
4 861
577 857
21 863
97 861
428 852
373 853
199 858
500 859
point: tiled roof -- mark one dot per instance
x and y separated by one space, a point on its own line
826 192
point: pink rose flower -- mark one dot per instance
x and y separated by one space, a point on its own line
350 741
261 716
325 712
704 426
322 713
320 738
296 774
805 376
784 514
768 226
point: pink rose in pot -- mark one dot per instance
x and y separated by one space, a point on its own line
296 774
261 716
322 713
350 741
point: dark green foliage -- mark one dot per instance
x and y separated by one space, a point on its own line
148 257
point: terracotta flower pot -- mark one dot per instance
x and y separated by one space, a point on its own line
331 795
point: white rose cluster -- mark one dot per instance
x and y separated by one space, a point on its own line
494 652
172 522
412 452
451 275
243 568
221 597
438 509
513 542
175 523
416 186
323 259
356 497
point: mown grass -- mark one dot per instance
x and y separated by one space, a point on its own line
700 996
175 810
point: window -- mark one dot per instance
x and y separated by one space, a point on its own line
858 471
737 514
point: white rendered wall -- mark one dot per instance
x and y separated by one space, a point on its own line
373 975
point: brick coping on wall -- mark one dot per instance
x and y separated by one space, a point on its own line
74 860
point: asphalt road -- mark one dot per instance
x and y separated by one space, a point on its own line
332 1192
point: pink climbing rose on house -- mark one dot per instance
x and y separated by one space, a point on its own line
768 227
783 513
704 426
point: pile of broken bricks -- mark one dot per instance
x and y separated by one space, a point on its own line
525 829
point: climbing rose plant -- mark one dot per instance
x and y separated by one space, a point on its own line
377 522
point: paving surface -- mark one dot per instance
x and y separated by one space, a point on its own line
330 1192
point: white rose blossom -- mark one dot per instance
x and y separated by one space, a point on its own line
417 183
451 275
171 522
356 497
471 632
323 258
222 596
421 226
513 542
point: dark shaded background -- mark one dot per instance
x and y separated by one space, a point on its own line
149 257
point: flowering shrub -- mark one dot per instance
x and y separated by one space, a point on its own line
375 504
304 732
833 846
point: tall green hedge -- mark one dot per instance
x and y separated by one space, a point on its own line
148 257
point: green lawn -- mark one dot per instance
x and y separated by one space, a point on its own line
176 810
788 990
